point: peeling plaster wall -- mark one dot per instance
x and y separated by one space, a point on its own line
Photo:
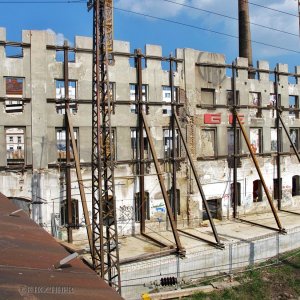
43 180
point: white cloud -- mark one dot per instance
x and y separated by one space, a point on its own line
60 38
259 15
278 21
157 8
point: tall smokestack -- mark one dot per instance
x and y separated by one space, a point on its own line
245 48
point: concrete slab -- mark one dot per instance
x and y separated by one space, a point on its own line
230 231
244 245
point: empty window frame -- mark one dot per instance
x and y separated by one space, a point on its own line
256 140
112 150
60 96
135 144
272 105
230 147
274 140
15 145
257 191
230 141
238 186
215 208
255 101
296 185
13 51
61 143
294 135
208 97
14 93
134 95
138 204
276 195
166 97
168 152
229 97
59 57
208 144
64 214
294 106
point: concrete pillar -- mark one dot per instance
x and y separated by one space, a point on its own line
39 72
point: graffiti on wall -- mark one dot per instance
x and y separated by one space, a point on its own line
126 213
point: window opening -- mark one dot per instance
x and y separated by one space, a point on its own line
257 191
15 145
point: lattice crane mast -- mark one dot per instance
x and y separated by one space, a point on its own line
105 251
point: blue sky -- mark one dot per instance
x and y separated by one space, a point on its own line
68 20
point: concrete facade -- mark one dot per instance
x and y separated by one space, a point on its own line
203 92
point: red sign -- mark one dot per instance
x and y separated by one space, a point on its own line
212 118
241 117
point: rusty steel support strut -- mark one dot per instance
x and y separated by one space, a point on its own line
174 151
141 107
180 249
105 252
68 157
280 228
218 242
235 146
79 179
140 135
278 132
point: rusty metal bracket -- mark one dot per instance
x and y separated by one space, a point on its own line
216 245
218 242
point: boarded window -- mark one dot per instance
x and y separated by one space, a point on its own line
229 97
294 135
277 192
134 96
208 97
61 143
208 142
296 185
294 106
64 214
256 140
15 145
166 97
257 191
274 139
138 204
60 96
